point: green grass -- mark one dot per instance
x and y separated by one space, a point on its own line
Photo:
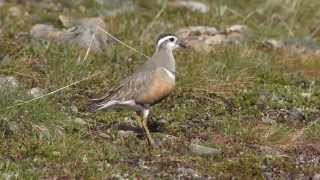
222 97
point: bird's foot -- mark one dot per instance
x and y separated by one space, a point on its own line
152 143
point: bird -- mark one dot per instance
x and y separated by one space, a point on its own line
147 86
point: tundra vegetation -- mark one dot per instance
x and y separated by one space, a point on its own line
248 109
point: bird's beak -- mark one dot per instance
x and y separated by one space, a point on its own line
182 44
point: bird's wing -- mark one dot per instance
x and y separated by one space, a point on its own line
128 89
145 87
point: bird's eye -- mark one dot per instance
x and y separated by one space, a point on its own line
171 39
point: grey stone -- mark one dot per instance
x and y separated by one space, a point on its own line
203 150
113 3
295 115
9 175
316 177
79 121
89 23
42 130
44 31
79 32
207 30
187 173
15 11
8 83
203 38
270 151
273 44
304 46
116 7
13 127
191 5
237 33
2 2
103 135
35 92
237 28
306 94
74 108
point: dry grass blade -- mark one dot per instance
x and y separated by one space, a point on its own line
50 93
122 43
89 48
153 21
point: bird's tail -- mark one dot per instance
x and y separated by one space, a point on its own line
93 105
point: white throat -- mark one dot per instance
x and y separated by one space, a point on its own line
170 74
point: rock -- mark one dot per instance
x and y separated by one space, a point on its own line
295 115
9 175
80 121
267 119
120 176
273 44
305 46
2 2
203 150
216 40
74 108
35 92
316 177
15 11
281 115
56 153
187 173
42 130
142 165
89 23
237 28
166 138
8 83
79 32
192 5
270 151
113 3
237 33
203 38
103 135
306 94
43 31
197 30
13 127
116 7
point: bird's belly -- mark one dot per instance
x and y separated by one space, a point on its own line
158 89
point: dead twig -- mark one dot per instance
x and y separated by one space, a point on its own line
122 43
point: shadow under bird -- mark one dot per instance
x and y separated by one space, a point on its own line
150 84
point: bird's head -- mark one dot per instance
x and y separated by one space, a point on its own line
169 41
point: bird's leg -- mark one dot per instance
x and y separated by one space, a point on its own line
139 119
145 115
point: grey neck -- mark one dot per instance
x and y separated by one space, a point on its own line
163 57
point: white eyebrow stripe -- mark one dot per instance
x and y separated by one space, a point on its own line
164 39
